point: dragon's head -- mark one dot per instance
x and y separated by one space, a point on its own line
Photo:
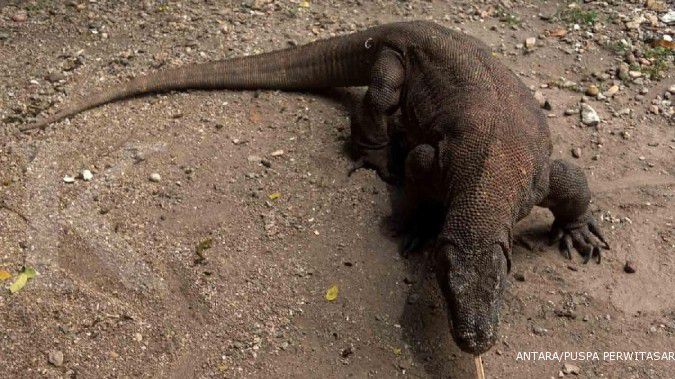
472 281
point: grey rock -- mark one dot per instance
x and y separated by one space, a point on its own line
669 17
55 357
538 330
86 175
569 368
588 115
540 98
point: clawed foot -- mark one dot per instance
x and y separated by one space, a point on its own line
584 235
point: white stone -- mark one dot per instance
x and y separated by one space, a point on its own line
588 115
530 42
87 175
569 368
611 91
669 17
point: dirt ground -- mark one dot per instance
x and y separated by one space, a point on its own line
219 267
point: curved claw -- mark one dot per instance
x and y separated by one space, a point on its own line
568 246
593 227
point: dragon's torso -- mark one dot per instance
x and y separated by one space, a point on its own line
492 141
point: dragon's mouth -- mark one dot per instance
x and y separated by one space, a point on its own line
475 342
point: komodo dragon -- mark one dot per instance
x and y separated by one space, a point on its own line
477 145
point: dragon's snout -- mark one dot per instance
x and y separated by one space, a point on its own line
476 341
473 283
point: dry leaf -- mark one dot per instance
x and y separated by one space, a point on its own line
4 275
22 279
332 293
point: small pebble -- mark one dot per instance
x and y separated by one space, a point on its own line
539 96
588 115
629 267
569 368
277 153
611 91
56 357
634 74
68 179
576 152
530 42
538 330
669 17
87 175
155 177
592 90
20 16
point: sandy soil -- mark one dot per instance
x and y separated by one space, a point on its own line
123 292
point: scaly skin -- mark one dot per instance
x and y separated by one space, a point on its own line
477 146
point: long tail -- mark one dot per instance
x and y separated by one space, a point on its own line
335 62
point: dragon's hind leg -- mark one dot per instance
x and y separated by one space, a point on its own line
369 123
